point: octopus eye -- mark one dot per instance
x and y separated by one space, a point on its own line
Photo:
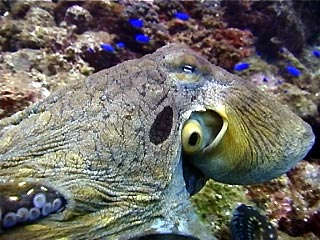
188 69
192 136
201 130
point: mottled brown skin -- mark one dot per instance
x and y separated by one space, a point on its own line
111 145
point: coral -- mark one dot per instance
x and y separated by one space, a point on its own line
300 101
37 30
200 10
17 89
15 99
292 201
29 75
275 23
314 222
8 30
222 45
39 17
231 46
18 9
78 16
88 48
3 7
215 203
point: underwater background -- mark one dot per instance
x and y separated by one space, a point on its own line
45 45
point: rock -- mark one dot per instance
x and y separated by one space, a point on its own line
78 16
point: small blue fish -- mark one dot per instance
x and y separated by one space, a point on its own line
241 66
90 50
136 23
106 47
316 53
120 45
248 224
141 38
293 71
182 16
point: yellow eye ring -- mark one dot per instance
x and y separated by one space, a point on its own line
192 136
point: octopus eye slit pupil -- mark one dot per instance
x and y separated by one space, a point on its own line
194 138
188 69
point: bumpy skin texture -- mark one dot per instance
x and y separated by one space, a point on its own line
110 148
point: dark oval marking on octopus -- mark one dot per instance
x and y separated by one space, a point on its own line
162 125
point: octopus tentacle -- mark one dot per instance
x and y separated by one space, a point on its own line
24 202
248 224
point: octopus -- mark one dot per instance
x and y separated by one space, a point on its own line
118 156
248 224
